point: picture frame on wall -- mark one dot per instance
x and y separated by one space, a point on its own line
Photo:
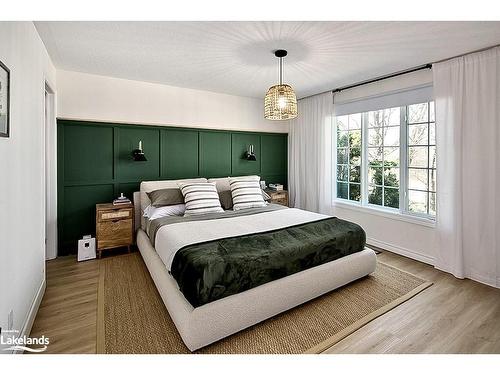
4 100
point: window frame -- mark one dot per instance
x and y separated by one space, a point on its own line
403 210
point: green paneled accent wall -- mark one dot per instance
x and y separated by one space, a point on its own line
239 144
95 164
126 140
77 159
79 208
274 157
215 154
179 153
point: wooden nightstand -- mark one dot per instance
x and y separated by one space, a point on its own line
278 197
114 226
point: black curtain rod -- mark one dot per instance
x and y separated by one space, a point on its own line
411 70
415 69
421 67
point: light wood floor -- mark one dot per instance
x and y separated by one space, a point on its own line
452 316
68 312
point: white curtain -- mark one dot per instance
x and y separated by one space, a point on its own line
467 95
310 154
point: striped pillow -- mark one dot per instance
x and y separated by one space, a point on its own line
200 198
246 192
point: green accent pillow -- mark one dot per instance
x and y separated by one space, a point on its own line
166 197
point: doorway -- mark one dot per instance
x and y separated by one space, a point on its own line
50 175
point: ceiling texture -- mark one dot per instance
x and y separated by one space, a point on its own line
237 57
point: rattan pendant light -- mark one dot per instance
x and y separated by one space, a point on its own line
280 102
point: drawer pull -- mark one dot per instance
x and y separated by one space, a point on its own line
115 215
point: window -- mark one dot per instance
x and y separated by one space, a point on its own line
387 158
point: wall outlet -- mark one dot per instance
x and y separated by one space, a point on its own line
10 320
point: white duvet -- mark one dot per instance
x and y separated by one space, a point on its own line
171 238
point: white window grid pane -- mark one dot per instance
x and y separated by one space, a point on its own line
342 150
416 210
355 121
417 122
419 156
342 166
432 133
392 117
416 129
360 190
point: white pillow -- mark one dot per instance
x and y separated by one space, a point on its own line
246 192
200 198
156 212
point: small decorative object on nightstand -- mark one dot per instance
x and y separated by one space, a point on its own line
114 226
278 197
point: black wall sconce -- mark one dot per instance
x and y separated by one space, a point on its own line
138 154
250 154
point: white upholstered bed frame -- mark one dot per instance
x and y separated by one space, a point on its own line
213 321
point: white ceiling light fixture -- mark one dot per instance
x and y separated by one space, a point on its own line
280 102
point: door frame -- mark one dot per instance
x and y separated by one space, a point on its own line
50 171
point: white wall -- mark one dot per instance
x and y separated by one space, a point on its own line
22 191
413 240
84 96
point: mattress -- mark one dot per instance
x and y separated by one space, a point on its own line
221 255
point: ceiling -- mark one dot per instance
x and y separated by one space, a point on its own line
236 57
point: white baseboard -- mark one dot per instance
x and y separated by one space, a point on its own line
400 250
476 276
35 305
472 275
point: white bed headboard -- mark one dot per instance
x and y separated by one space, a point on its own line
141 199
137 210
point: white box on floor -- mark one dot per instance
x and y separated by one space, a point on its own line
86 248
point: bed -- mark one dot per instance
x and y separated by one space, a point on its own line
272 259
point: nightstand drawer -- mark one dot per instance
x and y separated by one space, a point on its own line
278 196
113 215
283 201
114 233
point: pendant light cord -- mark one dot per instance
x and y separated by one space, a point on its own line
281 70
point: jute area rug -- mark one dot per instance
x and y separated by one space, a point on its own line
133 319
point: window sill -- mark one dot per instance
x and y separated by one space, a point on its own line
394 215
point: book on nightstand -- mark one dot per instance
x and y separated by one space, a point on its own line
121 200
